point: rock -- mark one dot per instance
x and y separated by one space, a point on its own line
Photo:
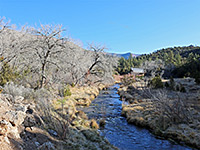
3 127
29 110
18 99
5 99
13 133
105 88
6 140
47 146
8 97
31 121
7 130
52 132
15 117
102 123
19 107
37 143
105 92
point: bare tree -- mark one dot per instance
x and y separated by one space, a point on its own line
3 24
98 65
45 46
43 56
153 68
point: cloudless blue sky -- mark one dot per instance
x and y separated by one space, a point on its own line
138 26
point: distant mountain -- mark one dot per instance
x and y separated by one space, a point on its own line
125 55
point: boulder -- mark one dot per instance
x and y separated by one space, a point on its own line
7 130
3 127
32 120
5 99
15 117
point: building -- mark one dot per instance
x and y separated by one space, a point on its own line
137 71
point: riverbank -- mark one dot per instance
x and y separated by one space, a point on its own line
53 124
163 112
107 106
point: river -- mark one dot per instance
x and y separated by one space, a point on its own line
118 132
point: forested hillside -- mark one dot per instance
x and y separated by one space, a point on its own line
176 61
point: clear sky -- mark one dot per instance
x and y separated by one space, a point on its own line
137 26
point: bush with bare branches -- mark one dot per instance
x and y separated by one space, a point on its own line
170 111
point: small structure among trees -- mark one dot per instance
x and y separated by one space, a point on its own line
137 71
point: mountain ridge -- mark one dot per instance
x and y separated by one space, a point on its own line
125 55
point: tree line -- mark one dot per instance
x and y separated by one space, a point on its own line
42 56
175 62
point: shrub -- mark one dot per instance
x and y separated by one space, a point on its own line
62 102
7 74
64 91
73 84
18 90
53 120
1 89
42 94
183 89
128 80
166 84
67 91
93 124
177 88
102 123
81 114
170 111
156 82
172 83
197 78
139 77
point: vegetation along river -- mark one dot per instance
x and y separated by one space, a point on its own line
117 131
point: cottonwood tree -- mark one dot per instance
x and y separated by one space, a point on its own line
93 61
44 52
100 66
11 46
43 56
3 27
12 41
153 68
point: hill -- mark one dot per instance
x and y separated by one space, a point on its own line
176 61
163 54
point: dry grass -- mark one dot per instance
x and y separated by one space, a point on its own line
94 124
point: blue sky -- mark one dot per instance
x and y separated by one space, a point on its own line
137 26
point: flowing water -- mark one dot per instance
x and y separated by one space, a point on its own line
118 132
